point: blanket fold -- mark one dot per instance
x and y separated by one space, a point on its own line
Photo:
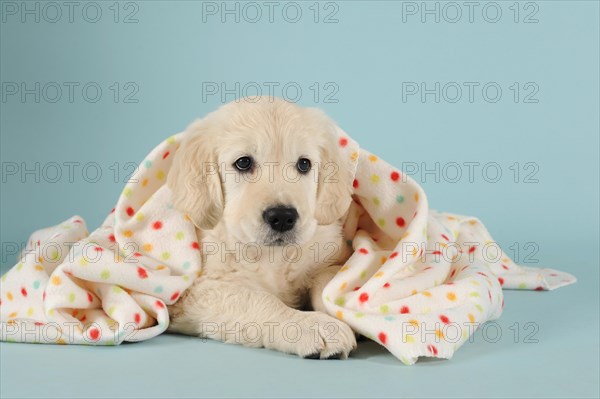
419 281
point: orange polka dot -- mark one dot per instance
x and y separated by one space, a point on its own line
451 296
9 295
56 280
128 233
339 314
471 318
148 247
343 286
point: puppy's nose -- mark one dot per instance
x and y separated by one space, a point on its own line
281 218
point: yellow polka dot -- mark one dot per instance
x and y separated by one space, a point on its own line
128 233
30 311
451 296
472 222
413 292
451 218
471 318
343 286
344 268
83 262
354 156
180 235
439 334
409 339
417 197
375 178
339 314
414 323
160 175
61 342
127 192
427 294
9 295
171 140
383 259
56 280
148 247
12 315
378 274
139 216
376 201
372 158
187 217
39 268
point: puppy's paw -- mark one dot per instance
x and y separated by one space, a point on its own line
324 337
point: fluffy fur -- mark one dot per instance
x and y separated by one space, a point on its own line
257 283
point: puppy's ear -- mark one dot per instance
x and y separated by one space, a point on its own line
334 193
194 179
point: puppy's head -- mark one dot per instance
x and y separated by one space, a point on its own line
269 170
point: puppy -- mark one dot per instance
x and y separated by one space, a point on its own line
261 180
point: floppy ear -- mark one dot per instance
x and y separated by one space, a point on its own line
195 181
334 193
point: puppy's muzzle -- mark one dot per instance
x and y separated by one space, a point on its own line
280 218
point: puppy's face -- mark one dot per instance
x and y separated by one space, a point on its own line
268 170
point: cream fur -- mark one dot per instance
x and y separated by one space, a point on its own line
251 291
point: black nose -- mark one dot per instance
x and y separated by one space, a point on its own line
281 218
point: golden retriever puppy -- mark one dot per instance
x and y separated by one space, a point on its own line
261 180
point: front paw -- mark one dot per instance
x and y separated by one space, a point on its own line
324 337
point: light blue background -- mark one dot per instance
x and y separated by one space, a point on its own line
367 54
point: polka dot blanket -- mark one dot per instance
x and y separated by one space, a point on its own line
418 282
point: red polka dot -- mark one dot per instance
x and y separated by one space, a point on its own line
159 304
355 288
400 221
386 285
404 309
393 255
142 273
471 250
195 246
23 291
137 254
137 318
539 288
395 176
112 238
445 237
44 296
432 349
363 251
90 297
166 154
355 183
444 319
157 225
501 280
175 295
130 211
343 141
504 267
94 334
98 249
364 297
382 337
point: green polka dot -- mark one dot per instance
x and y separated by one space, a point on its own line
19 266
341 301
478 306
376 201
185 277
180 235
375 178
384 309
400 199
117 290
358 315
381 222
165 255
105 274
111 310
72 297
522 286
54 255
363 274
474 294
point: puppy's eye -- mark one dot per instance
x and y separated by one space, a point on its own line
243 164
303 165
